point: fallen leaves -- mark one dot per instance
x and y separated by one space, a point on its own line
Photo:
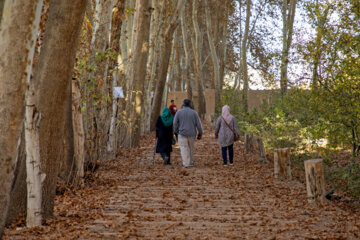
208 201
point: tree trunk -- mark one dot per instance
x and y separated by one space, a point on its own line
214 56
318 42
97 110
164 63
111 145
223 45
244 69
282 164
315 181
34 176
137 71
2 2
177 62
187 53
155 40
18 195
254 144
288 15
197 49
17 46
78 130
52 76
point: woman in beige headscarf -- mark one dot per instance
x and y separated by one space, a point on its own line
226 129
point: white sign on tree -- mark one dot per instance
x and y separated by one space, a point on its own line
118 92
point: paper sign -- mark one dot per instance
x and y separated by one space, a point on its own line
118 92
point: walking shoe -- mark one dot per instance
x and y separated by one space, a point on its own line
224 165
166 159
231 164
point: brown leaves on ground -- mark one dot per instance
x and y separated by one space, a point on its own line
130 198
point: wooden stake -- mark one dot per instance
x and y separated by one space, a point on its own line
282 163
315 181
255 144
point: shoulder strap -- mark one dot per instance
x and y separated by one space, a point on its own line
228 125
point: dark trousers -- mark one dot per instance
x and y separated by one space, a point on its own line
166 157
231 153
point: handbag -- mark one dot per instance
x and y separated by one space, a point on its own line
236 138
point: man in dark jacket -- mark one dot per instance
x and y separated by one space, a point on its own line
187 125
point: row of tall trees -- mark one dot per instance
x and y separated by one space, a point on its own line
61 62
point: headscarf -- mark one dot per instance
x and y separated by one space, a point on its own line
166 117
226 113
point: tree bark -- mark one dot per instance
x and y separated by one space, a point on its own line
53 76
137 70
78 130
254 144
288 15
282 164
164 63
17 46
244 69
315 181
214 56
97 110
155 40
111 145
197 49
187 53
2 2
34 176
318 41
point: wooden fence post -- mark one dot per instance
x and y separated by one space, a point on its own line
315 181
282 163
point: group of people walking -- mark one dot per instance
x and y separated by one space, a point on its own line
185 125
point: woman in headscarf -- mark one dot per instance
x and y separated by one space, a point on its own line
226 129
164 135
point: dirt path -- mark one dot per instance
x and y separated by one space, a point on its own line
140 200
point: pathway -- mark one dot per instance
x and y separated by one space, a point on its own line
209 201
130 198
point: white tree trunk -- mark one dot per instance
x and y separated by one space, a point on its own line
187 53
16 50
288 15
78 130
34 177
111 146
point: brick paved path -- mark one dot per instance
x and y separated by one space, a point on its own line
209 201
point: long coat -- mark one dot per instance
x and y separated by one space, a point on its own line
225 134
164 137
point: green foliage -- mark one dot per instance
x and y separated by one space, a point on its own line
345 178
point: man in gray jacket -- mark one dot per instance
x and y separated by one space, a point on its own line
185 124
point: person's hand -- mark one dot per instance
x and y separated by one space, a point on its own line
198 137
176 137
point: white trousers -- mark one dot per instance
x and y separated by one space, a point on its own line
186 145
